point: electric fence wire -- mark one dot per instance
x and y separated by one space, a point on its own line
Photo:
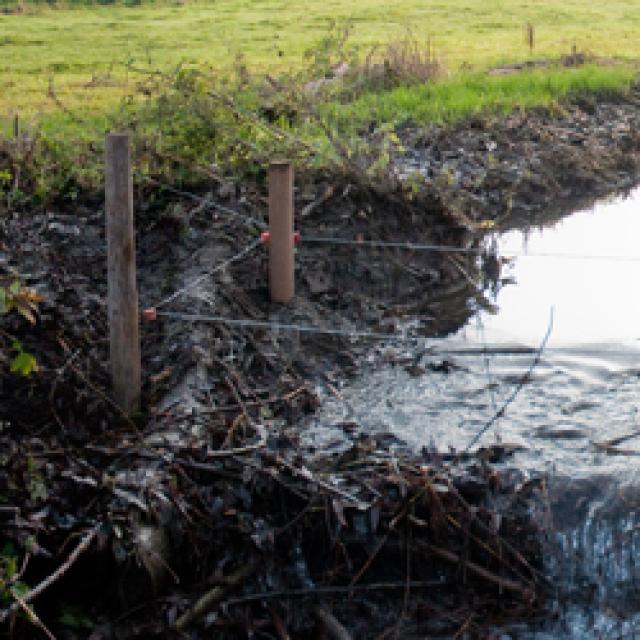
524 380
274 326
206 202
412 246
219 267
383 244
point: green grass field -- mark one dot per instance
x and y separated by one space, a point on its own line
68 71
85 50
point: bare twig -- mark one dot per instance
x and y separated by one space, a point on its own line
306 475
499 581
31 614
58 573
23 567
206 602
329 591
281 630
312 206
242 416
463 628
334 628
226 453
371 558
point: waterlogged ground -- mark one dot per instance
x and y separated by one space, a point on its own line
586 387
585 390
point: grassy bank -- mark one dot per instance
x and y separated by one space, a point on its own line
190 128
467 94
71 73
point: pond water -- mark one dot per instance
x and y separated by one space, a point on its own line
584 272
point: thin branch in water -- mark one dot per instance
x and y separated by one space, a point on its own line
523 382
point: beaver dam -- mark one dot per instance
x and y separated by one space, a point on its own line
288 484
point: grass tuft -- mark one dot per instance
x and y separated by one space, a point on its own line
471 93
401 62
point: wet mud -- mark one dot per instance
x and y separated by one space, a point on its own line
533 166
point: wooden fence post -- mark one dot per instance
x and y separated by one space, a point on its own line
16 126
530 37
124 340
281 250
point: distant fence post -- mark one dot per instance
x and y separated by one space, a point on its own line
16 126
124 340
531 36
281 250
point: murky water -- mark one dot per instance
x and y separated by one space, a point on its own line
584 392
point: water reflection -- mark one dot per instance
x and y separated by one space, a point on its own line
584 390
594 300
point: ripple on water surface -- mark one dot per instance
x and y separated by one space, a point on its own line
586 388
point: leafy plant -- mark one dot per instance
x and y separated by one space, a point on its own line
25 302
23 362
9 575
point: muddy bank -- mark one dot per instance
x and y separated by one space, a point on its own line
532 166
208 492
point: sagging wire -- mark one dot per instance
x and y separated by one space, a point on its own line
195 282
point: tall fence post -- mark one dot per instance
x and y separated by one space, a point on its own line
281 250
124 340
16 126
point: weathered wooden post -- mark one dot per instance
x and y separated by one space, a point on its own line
124 340
281 249
16 126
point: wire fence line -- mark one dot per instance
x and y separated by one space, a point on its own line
300 328
206 202
412 246
400 338
488 249
383 244
219 267
524 380
390 338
